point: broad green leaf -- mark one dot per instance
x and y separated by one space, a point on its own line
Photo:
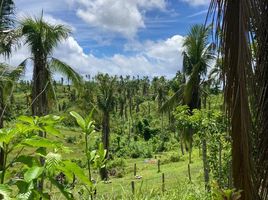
6 135
41 142
73 168
5 192
27 160
51 130
33 173
26 119
92 155
50 119
80 121
67 194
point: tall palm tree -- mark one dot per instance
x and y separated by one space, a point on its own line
8 35
105 103
6 77
42 38
244 28
196 59
197 55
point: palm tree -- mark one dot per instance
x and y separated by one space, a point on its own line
42 38
7 76
244 26
105 103
196 59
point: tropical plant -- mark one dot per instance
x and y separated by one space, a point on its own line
42 38
242 27
88 128
8 35
59 172
105 103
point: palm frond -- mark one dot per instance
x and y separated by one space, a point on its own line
173 101
56 65
233 23
41 36
19 71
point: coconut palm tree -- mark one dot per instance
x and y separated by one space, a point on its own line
244 27
42 38
197 56
8 35
105 103
7 74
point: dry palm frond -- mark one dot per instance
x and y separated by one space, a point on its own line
241 24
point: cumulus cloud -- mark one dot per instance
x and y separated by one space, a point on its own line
154 59
120 16
151 59
197 2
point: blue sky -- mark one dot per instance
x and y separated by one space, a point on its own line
135 37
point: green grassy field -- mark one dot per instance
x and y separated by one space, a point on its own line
176 173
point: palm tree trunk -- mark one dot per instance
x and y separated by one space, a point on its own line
121 109
39 89
39 98
181 142
205 164
204 151
2 152
105 141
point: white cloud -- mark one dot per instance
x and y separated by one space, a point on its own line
156 58
197 2
120 16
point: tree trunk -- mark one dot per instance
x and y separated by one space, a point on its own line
39 89
126 116
204 150
2 153
105 141
182 149
40 98
220 164
121 109
205 164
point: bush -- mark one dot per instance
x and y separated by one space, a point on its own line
116 167
140 149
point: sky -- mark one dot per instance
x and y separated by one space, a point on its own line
119 37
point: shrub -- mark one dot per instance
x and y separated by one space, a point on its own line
116 167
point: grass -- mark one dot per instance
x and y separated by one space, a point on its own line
176 173
152 180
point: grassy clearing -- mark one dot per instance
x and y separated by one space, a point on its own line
176 173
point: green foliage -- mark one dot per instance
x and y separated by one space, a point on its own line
95 158
25 135
227 194
117 167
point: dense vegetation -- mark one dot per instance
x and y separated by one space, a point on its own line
115 137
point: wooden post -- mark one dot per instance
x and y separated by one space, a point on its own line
163 182
189 172
158 166
135 169
133 187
